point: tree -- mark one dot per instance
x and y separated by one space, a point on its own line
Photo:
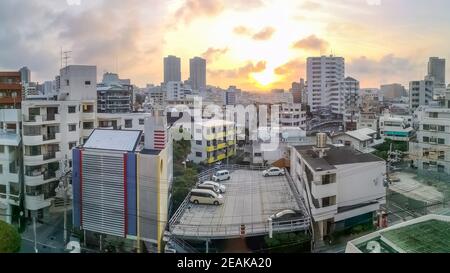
9 238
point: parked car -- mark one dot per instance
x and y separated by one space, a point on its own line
211 187
275 171
221 187
286 215
207 197
221 176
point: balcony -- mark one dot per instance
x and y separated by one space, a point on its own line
39 159
11 115
320 214
37 202
41 119
41 139
322 191
37 179
12 200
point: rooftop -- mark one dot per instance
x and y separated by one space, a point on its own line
115 140
362 134
334 156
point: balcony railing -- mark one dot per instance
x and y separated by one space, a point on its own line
49 137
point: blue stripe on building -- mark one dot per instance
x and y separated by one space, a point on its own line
131 194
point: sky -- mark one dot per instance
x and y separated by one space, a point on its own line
254 44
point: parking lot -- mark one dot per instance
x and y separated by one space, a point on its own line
249 201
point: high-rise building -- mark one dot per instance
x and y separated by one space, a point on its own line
436 70
197 70
297 90
420 93
321 71
231 95
343 96
25 74
172 69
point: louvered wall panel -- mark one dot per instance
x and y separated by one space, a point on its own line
103 193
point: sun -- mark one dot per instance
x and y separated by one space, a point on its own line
265 78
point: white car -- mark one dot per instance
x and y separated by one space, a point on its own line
221 187
221 176
273 172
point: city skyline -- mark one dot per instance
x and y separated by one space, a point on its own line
264 47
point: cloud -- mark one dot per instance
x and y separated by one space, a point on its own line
241 72
311 42
310 6
213 54
387 69
242 30
264 34
193 9
290 72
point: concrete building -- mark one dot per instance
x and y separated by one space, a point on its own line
293 115
197 70
177 91
431 150
113 79
25 75
390 92
122 188
10 146
361 140
213 141
172 69
397 128
343 96
436 71
114 98
78 83
420 93
342 187
298 89
321 72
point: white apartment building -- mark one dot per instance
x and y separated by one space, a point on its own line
321 71
343 96
431 151
340 185
396 127
292 115
177 90
420 93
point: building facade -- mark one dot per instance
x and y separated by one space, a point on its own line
114 98
172 69
197 70
420 93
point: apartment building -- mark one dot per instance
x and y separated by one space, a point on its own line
368 119
177 90
431 150
172 69
420 93
340 185
396 127
321 73
343 96
121 186
114 98
10 145
213 141
293 115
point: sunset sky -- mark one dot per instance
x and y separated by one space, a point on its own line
254 44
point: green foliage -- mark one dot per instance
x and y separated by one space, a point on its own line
185 178
383 149
287 243
9 238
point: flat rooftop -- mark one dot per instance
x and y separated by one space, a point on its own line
334 156
431 236
250 200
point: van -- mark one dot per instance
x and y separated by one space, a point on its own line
221 176
207 197
204 186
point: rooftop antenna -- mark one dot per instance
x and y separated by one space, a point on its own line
66 57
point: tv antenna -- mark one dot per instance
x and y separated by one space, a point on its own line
65 56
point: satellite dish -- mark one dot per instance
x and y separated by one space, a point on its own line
374 247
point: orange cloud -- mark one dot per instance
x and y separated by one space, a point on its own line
311 42
264 34
213 54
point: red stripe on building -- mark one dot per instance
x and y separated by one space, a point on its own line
81 188
125 186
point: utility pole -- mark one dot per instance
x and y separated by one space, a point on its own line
62 190
34 231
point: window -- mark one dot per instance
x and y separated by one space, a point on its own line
87 83
67 83
2 149
441 141
128 123
72 127
258 154
198 154
441 168
426 127
1 169
441 128
72 145
426 139
433 115
199 142
88 125
72 109
141 121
